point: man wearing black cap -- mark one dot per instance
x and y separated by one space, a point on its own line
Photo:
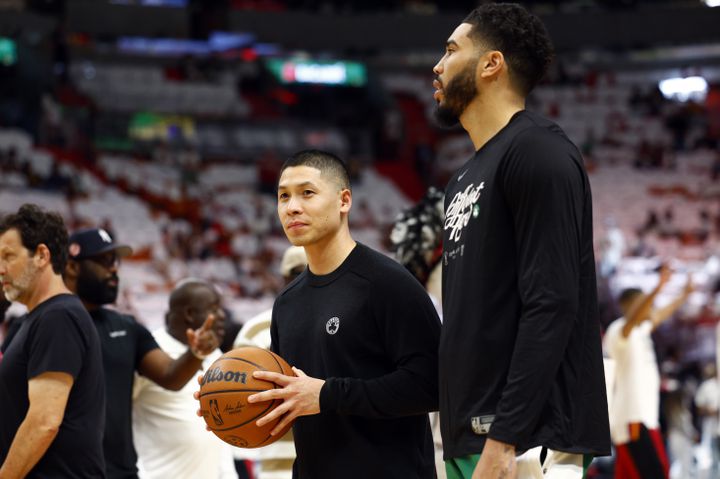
127 346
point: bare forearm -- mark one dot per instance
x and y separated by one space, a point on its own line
497 461
31 442
663 314
180 371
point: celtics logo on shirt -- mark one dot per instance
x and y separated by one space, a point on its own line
461 208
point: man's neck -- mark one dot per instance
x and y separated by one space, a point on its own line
90 307
47 286
488 114
325 257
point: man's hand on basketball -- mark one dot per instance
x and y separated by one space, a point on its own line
196 395
204 340
497 461
300 395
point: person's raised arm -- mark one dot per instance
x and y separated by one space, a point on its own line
661 315
173 374
641 310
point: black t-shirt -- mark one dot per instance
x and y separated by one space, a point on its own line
124 343
57 336
520 352
370 330
13 326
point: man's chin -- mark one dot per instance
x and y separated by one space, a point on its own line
109 297
446 117
12 295
298 240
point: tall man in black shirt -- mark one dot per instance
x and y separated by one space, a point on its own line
520 354
362 336
52 415
127 346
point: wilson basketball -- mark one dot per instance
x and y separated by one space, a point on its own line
225 388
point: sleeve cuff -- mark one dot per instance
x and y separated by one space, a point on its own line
327 398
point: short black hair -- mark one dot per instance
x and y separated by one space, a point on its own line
628 295
37 227
326 162
519 35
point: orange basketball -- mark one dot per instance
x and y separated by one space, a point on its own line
225 388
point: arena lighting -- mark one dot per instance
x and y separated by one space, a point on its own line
320 72
684 89
217 42
8 51
712 3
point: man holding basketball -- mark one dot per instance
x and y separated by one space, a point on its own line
127 346
519 294
362 336
51 378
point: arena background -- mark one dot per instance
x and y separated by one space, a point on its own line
165 122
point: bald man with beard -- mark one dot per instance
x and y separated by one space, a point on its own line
170 439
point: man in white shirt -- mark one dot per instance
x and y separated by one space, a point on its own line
634 424
170 438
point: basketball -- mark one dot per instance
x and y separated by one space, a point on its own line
225 388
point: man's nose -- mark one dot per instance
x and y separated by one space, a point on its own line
438 68
294 206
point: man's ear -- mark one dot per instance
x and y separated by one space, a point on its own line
345 200
491 64
41 256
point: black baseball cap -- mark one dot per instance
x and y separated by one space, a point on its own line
92 242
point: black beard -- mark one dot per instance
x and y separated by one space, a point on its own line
458 93
93 291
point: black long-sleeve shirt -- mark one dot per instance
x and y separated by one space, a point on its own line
520 352
370 330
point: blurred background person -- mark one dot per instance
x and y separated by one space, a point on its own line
416 241
127 346
634 425
170 439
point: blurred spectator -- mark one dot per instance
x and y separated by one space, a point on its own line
707 401
612 248
634 425
171 440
